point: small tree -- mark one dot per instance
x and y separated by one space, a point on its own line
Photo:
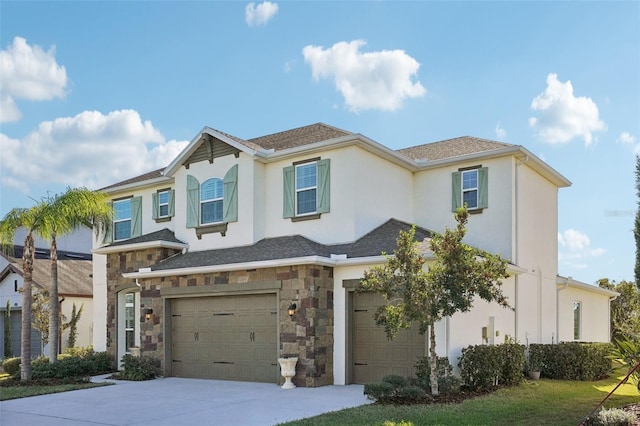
625 309
449 285
73 326
8 353
636 229
41 306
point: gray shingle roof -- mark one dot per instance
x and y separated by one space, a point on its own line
452 148
161 235
141 178
300 136
383 238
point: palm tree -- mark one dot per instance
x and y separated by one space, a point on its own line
63 214
31 220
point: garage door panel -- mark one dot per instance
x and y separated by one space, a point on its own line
374 355
236 337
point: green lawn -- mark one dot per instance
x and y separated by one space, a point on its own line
23 391
543 402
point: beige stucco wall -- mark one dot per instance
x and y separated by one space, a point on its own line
594 317
85 324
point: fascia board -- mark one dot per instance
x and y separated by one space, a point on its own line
139 246
341 142
139 185
562 281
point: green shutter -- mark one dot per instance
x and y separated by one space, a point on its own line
154 206
483 188
108 230
172 203
456 193
324 186
193 202
288 195
230 200
136 217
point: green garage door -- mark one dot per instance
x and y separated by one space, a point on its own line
225 337
374 356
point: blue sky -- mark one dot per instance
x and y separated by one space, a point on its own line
94 92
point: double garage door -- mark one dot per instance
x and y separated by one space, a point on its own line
225 337
375 356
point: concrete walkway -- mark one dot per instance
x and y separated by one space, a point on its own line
174 401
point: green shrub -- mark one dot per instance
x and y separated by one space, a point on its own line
447 382
139 368
484 367
395 390
11 366
76 363
612 417
400 423
572 360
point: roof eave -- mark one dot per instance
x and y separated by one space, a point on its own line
518 150
340 142
138 185
140 246
570 282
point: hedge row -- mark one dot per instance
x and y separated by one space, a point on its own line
72 363
572 360
484 367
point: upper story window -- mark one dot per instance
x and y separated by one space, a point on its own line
127 219
470 186
211 201
306 192
214 202
163 205
306 188
122 219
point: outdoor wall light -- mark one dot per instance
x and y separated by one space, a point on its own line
148 313
292 309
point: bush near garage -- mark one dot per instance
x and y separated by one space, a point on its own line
483 367
138 368
573 360
74 363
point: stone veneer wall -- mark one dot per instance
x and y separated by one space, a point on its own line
124 262
307 335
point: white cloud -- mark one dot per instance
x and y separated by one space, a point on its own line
563 116
626 138
30 73
575 249
375 80
501 133
260 14
90 149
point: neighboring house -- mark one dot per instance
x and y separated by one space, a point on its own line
74 287
206 255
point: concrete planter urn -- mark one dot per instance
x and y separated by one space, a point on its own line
534 375
288 370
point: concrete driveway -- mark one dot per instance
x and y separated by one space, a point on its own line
174 401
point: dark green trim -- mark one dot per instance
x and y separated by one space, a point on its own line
351 284
211 229
220 289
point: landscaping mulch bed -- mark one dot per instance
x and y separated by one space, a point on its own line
635 409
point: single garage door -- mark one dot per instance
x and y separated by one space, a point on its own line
225 337
374 356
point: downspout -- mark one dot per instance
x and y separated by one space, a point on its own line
517 241
60 332
611 299
566 284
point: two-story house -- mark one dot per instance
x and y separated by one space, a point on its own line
208 257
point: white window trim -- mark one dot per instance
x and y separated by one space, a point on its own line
210 200
160 204
476 188
130 219
308 188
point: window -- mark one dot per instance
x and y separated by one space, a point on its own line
211 200
163 205
576 320
306 189
214 201
122 219
129 322
470 187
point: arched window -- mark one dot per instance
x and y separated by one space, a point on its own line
211 201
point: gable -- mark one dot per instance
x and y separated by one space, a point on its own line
210 148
